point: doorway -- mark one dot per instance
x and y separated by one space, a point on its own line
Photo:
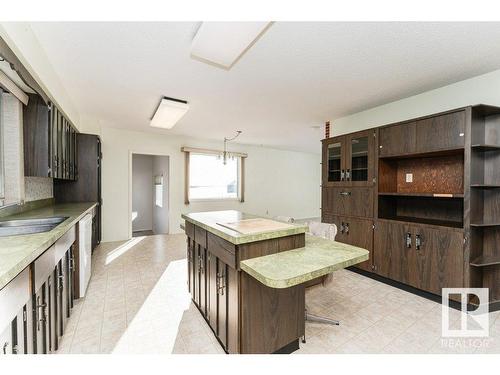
150 203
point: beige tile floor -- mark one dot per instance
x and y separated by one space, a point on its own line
137 302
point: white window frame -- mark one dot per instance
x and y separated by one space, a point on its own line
240 175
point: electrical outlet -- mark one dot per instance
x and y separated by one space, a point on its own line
409 177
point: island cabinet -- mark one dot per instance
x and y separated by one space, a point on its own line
233 303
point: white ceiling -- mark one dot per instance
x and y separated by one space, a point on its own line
296 76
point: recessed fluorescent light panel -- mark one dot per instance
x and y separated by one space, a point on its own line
169 112
223 43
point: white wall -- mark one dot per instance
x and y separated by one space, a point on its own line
23 42
142 192
277 182
484 89
160 214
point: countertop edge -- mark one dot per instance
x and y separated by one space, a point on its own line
42 247
293 281
299 229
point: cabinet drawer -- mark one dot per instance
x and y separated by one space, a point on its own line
13 297
441 132
333 201
360 202
44 266
397 139
189 229
349 201
222 249
200 236
64 243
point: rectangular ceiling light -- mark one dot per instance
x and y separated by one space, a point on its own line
169 112
223 43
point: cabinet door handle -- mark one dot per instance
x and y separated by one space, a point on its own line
200 264
408 240
342 226
348 174
345 193
346 228
418 242
342 175
221 283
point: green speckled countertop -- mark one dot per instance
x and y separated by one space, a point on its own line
209 220
17 252
319 257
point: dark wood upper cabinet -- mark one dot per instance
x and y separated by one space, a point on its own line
349 160
430 134
360 158
334 163
49 141
397 139
36 132
441 132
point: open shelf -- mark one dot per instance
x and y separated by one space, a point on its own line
485 186
429 195
487 224
485 147
484 261
418 220
447 212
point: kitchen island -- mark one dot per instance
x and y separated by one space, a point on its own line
247 277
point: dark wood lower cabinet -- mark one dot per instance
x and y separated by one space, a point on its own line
219 288
355 232
390 252
263 329
201 279
421 256
41 314
236 310
436 259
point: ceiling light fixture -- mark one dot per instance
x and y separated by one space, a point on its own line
223 43
169 112
226 153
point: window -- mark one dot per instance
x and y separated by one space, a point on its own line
159 191
210 178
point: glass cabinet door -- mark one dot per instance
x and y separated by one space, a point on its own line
359 159
334 165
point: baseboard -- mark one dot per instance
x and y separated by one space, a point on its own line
407 288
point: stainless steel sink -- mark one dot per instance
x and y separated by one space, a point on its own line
29 226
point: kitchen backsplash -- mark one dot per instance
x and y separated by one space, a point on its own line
36 188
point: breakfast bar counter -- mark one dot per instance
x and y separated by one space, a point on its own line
247 275
289 268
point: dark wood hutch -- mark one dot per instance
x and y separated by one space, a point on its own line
423 196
